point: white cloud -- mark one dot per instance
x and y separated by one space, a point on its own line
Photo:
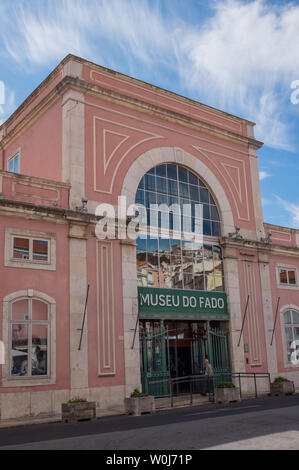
292 209
245 58
8 107
264 175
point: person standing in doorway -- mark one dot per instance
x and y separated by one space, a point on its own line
209 374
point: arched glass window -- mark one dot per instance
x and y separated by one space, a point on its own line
291 322
177 263
173 184
29 326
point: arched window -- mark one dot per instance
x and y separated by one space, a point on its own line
291 323
173 184
179 263
29 333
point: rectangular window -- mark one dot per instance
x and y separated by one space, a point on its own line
29 331
13 164
30 249
287 277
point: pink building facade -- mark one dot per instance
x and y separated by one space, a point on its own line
92 133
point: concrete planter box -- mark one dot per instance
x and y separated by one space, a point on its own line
226 395
73 412
282 388
138 405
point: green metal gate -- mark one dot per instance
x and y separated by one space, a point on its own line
218 350
155 364
155 359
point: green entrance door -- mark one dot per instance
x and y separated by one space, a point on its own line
177 349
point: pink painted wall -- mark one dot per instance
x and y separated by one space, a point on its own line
40 146
159 97
254 328
53 283
105 289
287 297
127 134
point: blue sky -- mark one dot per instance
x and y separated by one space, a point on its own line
239 56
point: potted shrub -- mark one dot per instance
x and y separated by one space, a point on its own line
78 409
226 392
139 403
282 386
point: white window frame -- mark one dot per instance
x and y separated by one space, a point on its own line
11 233
283 325
12 159
287 268
29 323
31 240
35 380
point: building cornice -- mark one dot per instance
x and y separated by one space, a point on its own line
249 248
90 89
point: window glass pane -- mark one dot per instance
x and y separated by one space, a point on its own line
295 317
207 228
215 229
21 248
139 197
19 310
161 170
188 281
16 164
214 213
11 165
292 277
183 174
194 193
219 283
289 340
171 171
206 211
166 271
40 250
172 187
39 349
204 195
287 317
39 310
141 269
193 179
149 182
19 350
199 282
153 269
141 183
184 191
161 185
283 276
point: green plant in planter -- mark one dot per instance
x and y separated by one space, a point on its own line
77 400
136 393
226 385
280 379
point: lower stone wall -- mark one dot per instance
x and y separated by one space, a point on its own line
19 405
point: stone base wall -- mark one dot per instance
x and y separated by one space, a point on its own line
20 405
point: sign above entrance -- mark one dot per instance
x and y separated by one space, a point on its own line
155 300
